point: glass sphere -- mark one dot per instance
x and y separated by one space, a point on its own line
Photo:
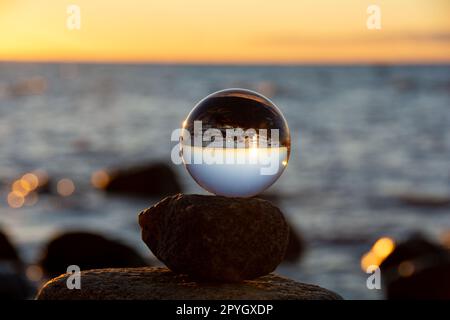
235 143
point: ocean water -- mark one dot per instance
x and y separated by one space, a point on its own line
360 136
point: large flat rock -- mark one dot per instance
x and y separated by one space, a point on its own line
150 283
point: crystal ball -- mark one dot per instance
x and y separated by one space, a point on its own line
235 143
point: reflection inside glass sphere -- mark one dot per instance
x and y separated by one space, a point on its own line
235 143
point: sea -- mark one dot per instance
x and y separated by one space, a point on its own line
362 137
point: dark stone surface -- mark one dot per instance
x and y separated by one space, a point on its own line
13 283
162 284
296 246
417 269
424 200
88 251
156 179
7 250
216 238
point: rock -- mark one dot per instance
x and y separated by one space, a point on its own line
88 251
14 286
417 269
296 246
273 197
403 83
162 284
13 283
29 86
424 200
146 180
445 238
7 250
216 238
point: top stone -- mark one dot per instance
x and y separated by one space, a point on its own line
216 238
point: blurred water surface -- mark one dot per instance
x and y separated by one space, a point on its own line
360 134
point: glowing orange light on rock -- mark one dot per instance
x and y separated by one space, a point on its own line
382 248
369 259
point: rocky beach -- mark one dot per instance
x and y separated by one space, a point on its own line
214 247
371 162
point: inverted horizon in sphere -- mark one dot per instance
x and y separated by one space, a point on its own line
251 171
250 161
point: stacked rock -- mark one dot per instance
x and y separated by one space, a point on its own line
216 238
214 246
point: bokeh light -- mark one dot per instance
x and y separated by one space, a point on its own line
34 273
65 187
381 249
15 199
20 187
24 190
406 269
100 179
31 179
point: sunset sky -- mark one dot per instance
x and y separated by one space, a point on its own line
232 31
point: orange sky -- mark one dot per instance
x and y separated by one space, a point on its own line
232 31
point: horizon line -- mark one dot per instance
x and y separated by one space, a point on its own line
232 63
